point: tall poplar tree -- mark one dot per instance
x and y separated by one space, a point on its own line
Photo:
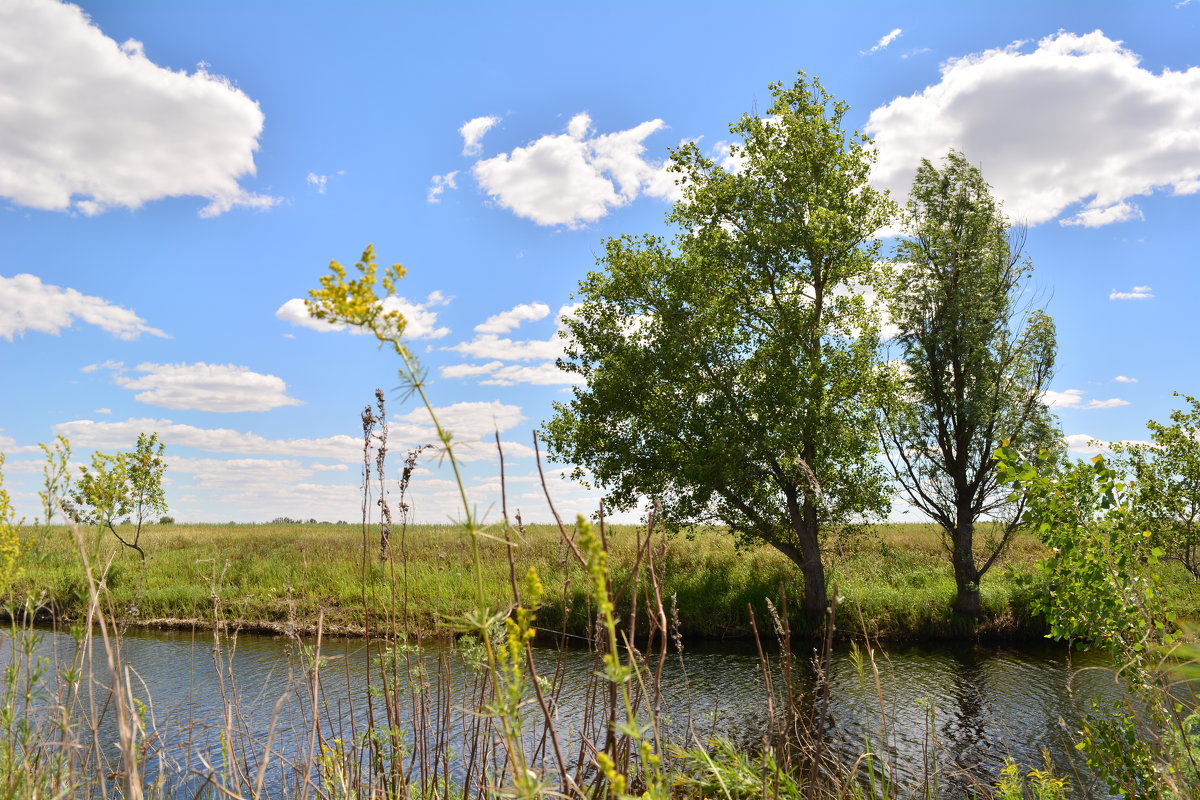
731 374
976 362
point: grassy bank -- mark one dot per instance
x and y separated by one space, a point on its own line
895 580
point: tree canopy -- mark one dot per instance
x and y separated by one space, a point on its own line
122 487
731 373
976 362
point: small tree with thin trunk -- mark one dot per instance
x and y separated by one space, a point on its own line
1167 473
975 364
122 488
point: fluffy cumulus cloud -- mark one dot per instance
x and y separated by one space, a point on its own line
1125 379
473 132
1136 293
1073 398
1074 125
89 124
206 387
576 177
84 433
498 352
421 318
27 304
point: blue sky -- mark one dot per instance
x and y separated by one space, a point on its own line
174 175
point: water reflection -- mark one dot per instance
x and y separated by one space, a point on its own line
948 714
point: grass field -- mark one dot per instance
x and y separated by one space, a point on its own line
895 581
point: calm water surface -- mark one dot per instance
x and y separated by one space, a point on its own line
965 706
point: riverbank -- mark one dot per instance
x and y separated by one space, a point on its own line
895 582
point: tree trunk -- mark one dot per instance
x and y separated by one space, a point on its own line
966 575
807 556
815 600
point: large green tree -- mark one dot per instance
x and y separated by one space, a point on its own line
976 362
731 373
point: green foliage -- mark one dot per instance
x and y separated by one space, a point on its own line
1167 474
1036 784
975 363
1103 588
731 373
357 302
10 542
121 488
1099 585
721 770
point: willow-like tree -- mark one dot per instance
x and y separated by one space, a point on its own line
976 361
731 374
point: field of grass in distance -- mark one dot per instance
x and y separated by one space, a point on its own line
895 580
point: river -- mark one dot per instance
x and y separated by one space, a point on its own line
961 706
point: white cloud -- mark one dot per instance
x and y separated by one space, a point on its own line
470 370
489 345
544 374
883 42
91 125
466 420
318 181
28 304
1076 120
439 184
9 446
85 433
574 178
1082 444
509 320
422 322
257 488
116 366
916 51
1097 217
1073 398
1124 379
473 131
472 424
1136 293
496 372
207 387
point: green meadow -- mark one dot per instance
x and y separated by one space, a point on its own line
893 581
